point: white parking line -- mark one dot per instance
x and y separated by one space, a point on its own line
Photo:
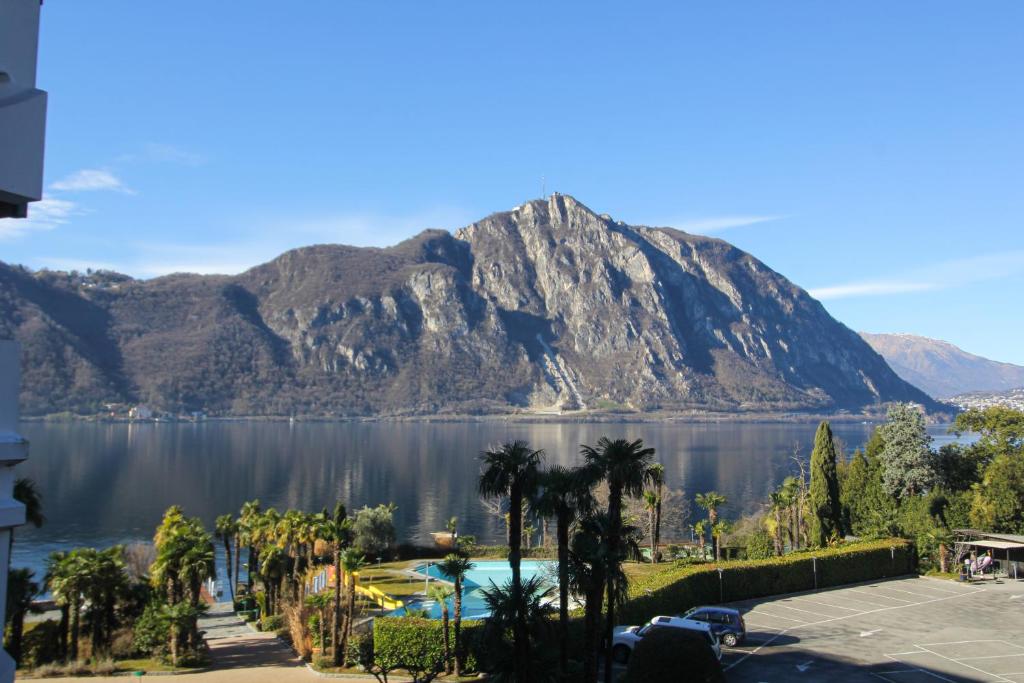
848 616
778 603
885 597
961 663
881 674
779 616
825 604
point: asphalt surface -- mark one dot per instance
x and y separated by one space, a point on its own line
907 630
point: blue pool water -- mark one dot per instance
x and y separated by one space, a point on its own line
477 579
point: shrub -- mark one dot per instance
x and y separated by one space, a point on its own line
681 586
760 546
673 654
416 644
40 643
150 632
272 622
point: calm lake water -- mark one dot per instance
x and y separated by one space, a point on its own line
110 483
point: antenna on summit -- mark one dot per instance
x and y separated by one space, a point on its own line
543 187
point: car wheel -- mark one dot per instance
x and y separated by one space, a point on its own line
620 654
730 640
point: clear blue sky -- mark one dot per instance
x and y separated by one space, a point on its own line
872 152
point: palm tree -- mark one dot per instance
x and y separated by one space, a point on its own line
626 466
21 591
455 567
26 493
288 530
338 531
525 606
178 619
651 505
512 471
321 602
351 562
701 528
227 531
564 494
658 479
55 582
711 501
247 521
453 528
720 528
273 570
779 504
439 593
591 568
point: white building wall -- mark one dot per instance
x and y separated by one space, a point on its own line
22 107
13 449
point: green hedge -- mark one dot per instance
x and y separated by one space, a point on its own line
680 587
418 644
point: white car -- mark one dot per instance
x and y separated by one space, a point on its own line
625 638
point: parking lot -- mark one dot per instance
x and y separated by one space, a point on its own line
906 630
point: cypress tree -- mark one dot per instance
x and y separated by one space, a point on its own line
826 508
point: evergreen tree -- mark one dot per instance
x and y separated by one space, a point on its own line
907 467
826 510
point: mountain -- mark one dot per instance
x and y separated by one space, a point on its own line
941 369
547 305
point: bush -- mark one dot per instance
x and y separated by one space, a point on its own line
272 622
40 643
760 546
673 654
416 644
681 586
150 632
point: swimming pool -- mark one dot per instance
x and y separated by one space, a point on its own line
477 579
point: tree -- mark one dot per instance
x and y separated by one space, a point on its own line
227 531
779 503
56 581
27 493
906 458
374 529
998 501
338 531
512 471
658 479
999 429
455 566
21 591
321 602
452 527
826 508
511 608
719 529
626 466
351 562
651 505
440 593
248 520
564 494
711 501
700 528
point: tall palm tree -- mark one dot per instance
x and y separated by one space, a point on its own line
700 528
651 505
626 466
507 606
711 501
564 494
779 503
455 566
55 582
720 528
512 471
289 528
439 593
339 534
351 562
658 479
227 531
247 521
452 526
21 591
27 493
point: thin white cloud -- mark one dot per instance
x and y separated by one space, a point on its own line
43 215
91 180
706 226
944 275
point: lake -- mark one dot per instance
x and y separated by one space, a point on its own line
110 483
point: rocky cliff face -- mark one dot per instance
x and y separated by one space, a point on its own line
548 305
